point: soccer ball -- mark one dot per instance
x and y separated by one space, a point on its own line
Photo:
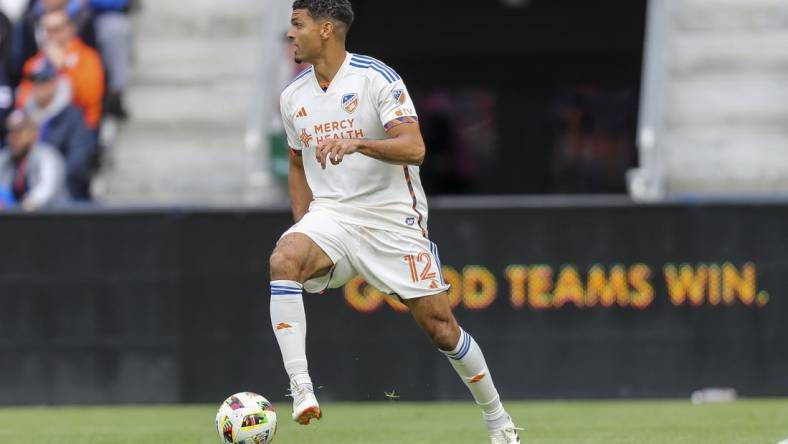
246 418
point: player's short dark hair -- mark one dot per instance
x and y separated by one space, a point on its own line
339 10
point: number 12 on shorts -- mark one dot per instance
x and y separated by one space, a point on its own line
413 263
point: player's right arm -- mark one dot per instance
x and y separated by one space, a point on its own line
300 193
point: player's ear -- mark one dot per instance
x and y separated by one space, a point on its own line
327 29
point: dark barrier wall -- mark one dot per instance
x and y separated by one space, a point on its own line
606 301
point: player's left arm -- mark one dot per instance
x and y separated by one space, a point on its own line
405 146
397 113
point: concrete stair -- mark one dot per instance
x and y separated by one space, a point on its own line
195 72
724 118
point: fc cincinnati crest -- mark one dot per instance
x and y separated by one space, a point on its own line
350 102
399 96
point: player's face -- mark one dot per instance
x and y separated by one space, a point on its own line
304 34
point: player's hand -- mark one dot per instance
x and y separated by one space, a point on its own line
334 150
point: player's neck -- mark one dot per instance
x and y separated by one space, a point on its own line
327 66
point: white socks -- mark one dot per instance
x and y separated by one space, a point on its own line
468 360
289 322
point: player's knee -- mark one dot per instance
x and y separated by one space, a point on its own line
284 266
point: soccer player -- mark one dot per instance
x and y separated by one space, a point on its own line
355 151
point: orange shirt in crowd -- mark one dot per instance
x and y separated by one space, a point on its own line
82 66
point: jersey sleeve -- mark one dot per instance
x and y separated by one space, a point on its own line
395 106
287 122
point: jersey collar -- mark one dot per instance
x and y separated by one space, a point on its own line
337 76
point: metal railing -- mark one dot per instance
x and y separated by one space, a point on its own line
647 182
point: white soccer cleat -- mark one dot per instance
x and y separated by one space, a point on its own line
305 406
505 435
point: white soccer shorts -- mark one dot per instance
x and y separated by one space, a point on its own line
395 263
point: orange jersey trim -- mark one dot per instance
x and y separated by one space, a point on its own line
399 121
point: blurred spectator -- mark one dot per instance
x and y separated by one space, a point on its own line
6 71
62 126
14 9
113 37
78 10
593 143
6 198
459 128
32 35
80 63
16 13
33 171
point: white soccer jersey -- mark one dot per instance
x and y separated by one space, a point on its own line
365 98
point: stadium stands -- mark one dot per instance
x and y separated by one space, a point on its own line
51 67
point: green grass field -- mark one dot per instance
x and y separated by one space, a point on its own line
608 422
